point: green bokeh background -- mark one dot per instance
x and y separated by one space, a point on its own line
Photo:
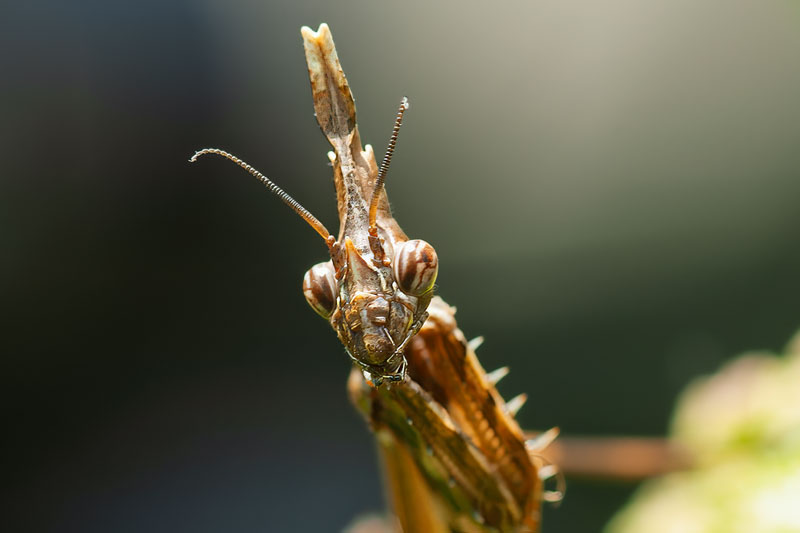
612 187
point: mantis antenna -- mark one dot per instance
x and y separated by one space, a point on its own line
387 158
280 193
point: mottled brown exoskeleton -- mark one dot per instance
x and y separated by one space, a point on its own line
377 286
455 458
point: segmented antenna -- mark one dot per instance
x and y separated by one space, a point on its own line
280 193
387 158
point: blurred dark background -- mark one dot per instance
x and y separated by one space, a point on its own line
612 188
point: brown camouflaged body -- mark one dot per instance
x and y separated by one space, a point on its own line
455 458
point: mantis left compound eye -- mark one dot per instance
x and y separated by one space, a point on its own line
416 266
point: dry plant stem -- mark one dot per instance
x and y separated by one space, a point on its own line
617 458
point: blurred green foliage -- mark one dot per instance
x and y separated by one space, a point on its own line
742 427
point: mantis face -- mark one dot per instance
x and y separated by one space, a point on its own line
375 307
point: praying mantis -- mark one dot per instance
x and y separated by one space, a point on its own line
455 458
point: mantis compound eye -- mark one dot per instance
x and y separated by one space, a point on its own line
415 267
319 288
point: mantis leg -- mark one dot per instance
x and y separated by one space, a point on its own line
415 508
